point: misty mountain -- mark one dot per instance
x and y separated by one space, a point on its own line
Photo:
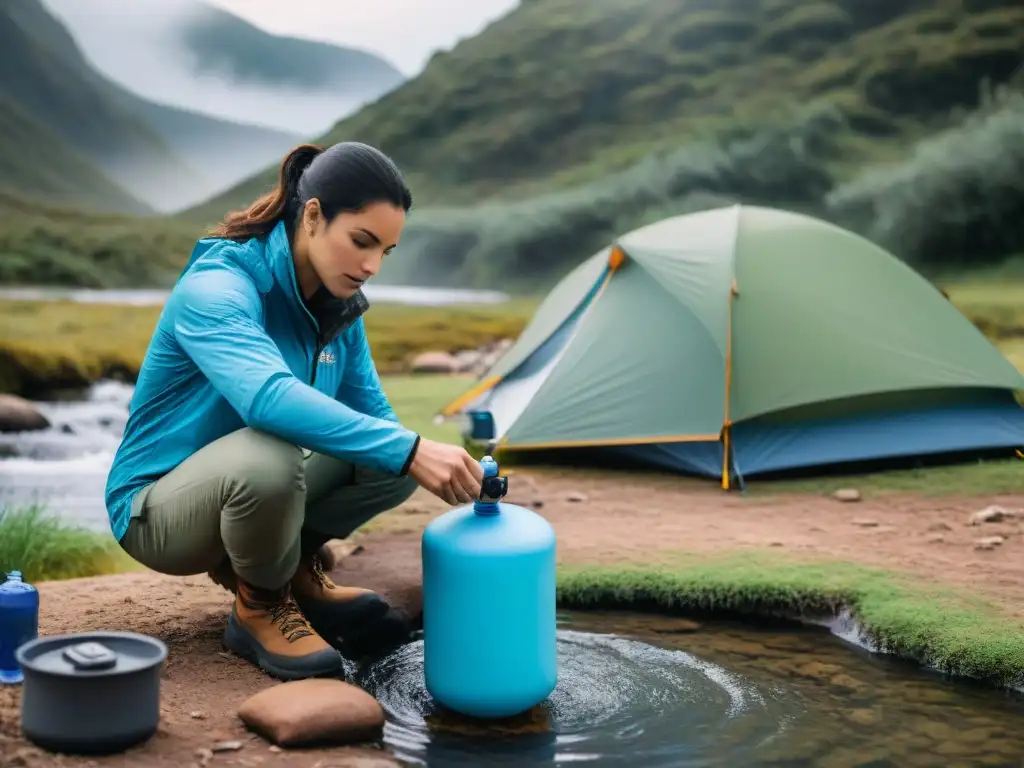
197 57
165 156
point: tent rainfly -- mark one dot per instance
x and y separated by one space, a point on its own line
747 340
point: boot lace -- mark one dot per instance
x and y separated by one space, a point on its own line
284 613
316 569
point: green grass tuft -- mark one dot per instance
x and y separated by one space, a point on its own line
949 631
45 548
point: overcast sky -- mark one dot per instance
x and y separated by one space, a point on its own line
406 32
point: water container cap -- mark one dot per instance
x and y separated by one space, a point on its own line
493 489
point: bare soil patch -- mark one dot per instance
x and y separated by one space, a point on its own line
598 519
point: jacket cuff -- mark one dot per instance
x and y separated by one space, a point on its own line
409 459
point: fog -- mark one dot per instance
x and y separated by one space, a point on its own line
134 43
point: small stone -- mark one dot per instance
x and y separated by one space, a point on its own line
993 514
227 746
197 715
575 497
865 523
847 495
989 542
19 415
434 362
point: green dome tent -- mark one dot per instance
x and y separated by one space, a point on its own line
747 340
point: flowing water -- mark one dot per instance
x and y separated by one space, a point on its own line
652 692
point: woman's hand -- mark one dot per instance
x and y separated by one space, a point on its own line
447 471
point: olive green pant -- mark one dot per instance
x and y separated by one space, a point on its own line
253 497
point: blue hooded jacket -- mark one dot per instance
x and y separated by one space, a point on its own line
236 346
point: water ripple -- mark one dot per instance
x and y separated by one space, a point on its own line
619 701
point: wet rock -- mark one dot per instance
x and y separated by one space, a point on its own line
993 514
313 710
846 682
988 542
673 626
818 670
434 362
575 497
863 716
19 415
847 495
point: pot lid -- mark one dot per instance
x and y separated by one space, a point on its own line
92 654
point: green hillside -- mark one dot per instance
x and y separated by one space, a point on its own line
55 245
561 92
35 163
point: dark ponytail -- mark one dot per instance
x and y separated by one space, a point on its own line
346 177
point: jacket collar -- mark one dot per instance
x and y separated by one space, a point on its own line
330 315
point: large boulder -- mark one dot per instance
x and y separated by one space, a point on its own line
19 415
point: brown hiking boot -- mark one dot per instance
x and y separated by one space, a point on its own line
268 628
332 609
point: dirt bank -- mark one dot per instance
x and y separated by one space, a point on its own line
614 519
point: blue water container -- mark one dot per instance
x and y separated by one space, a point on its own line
19 623
489 605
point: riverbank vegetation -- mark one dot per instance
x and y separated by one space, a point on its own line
50 345
941 628
43 547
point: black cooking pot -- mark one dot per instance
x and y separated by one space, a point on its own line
92 693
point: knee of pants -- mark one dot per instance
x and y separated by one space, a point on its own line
264 466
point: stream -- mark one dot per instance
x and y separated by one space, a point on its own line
660 692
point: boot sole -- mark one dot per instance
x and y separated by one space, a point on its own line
326 663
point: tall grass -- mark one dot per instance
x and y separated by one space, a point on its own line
43 547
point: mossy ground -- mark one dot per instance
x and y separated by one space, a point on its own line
941 628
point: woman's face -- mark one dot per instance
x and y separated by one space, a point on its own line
348 251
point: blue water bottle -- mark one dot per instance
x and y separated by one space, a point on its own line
489 624
19 623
